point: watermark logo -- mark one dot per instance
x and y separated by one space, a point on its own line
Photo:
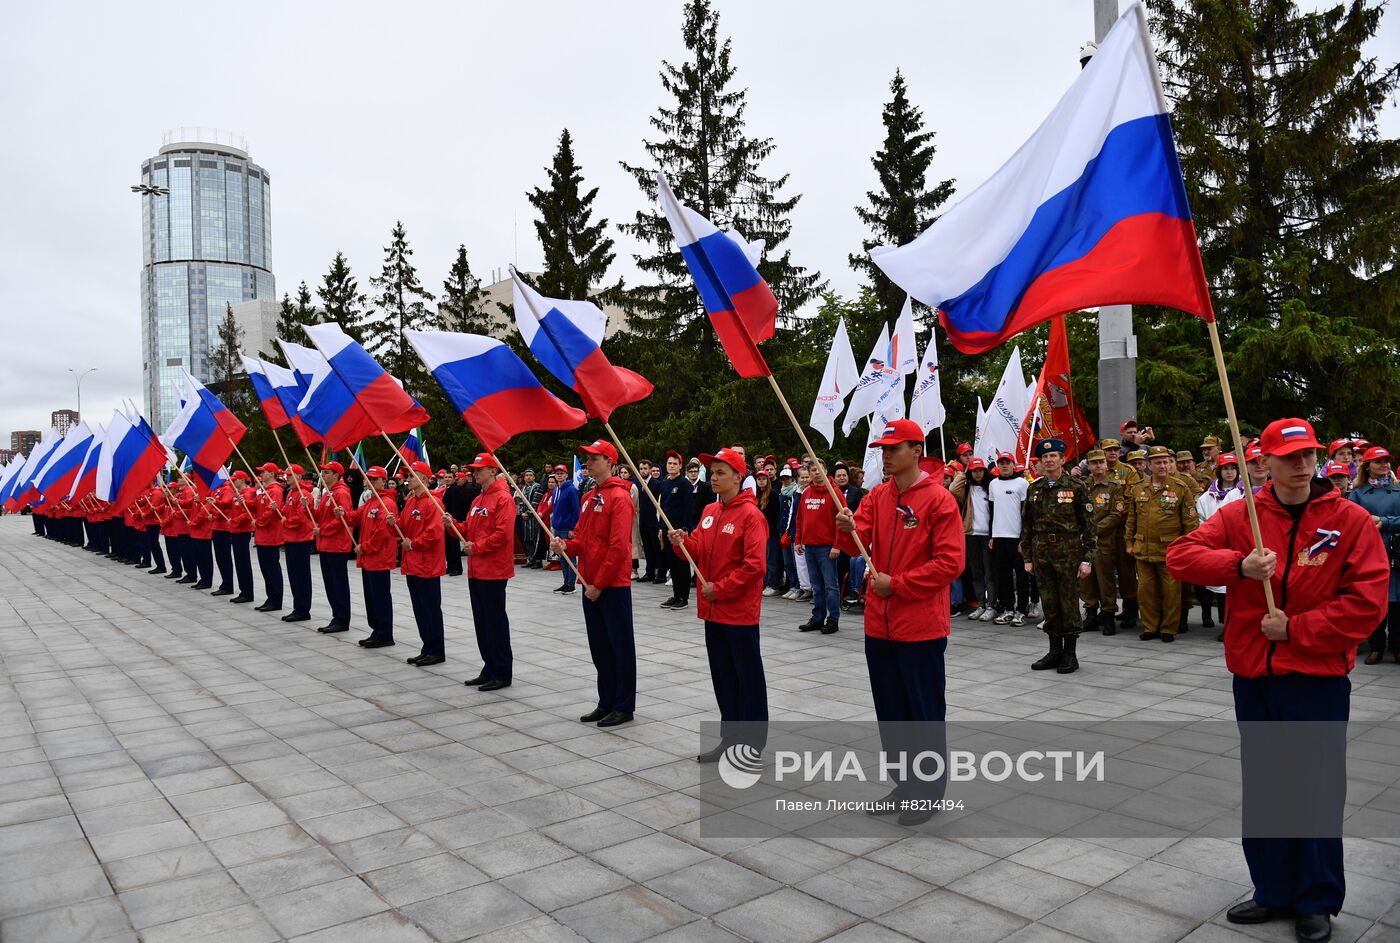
740 766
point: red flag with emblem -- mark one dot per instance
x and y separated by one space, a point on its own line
1053 412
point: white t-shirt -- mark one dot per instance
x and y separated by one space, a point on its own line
1006 496
981 512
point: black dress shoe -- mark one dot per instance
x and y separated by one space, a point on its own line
1313 928
187 579
830 627
241 599
563 589
811 625
615 718
1250 912
494 685
332 628
201 585
157 571
297 617
222 592
269 607
425 661
659 580
1168 638
712 756
376 642
172 576
1147 636
671 601
595 715
478 680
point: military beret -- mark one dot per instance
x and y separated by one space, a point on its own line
1095 455
1160 451
1049 445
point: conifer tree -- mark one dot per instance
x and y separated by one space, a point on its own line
577 250
342 299
293 317
225 365
403 303
462 306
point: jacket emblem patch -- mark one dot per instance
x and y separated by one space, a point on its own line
727 529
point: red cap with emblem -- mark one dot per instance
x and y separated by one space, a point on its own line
336 467
483 460
422 468
900 430
1286 436
1376 453
605 449
374 471
730 457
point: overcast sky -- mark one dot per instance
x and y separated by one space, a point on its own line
443 115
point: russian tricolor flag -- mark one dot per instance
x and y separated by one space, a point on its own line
414 448
22 489
291 386
204 429
1090 211
496 394
272 406
565 336
86 479
725 268
130 460
357 389
61 471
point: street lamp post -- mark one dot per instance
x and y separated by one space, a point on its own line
79 377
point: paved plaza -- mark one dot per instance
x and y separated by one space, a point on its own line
174 768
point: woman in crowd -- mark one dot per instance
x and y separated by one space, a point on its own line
1227 487
1377 492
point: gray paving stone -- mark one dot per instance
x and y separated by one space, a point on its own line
624 916
272 876
53 890
711 886
786 916
161 866
1107 918
469 912
945 916
323 905
423 879
389 927
642 859
89 921
565 883
185 897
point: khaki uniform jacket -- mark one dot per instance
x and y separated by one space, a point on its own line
1157 516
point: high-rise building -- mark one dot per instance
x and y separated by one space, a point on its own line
207 245
64 419
24 440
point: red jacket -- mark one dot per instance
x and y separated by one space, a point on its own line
603 538
335 536
172 522
267 526
200 526
1334 593
730 545
421 522
379 542
916 538
240 518
816 516
296 517
490 527
218 517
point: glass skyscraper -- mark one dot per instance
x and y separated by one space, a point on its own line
207 244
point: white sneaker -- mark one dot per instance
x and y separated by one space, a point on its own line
792 594
1035 611
1003 618
976 614
1018 619
988 615
769 591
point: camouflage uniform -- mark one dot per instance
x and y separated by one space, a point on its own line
1157 515
1125 569
1057 527
1099 590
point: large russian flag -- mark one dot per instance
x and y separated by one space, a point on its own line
1090 211
565 336
272 406
496 394
61 471
291 386
724 266
360 383
130 461
204 429
86 479
21 489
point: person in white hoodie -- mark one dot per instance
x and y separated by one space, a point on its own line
1227 487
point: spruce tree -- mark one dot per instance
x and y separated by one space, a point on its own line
462 306
1297 204
342 300
715 166
225 365
577 250
403 303
904 204
294 316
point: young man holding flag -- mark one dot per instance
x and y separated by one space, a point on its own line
376 555
298 539
235 503
267 535
487 543
333 545
424 563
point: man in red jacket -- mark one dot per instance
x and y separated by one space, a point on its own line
488 543
234 501
603 543
377 555
730 544
815 541
199 539
298 540
424 564
913 529
1329 573
222 541
267 535
333 545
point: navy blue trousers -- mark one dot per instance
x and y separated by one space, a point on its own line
202 554
492 627
425 592
379 603
223 559
736 670
907 684
177 559
614 651
242 561
153 545
335 574
299 573
270 563
1301 874
185 544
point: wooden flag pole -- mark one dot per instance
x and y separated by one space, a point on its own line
389 515
642 485
249 465
311 517
1239 451
436 503
539 520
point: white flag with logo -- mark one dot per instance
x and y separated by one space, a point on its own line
878 377
903 354
979 436
839 378
1008 409
874 467
926 405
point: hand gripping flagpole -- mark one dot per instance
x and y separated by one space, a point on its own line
539 519
249 465
684 223
389 515
436 503
311 517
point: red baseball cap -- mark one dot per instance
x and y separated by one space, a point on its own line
1375 454
605 449
900 430
336 467
1286 436
560 470
441 473
1361 444
1336 468
975 463
483 460
268 467
1005 455
964 447
730 457
239 475
422 468
1227 459
1126 424
1253 452
295 469
1020 468
374 471
671 453
1338 444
